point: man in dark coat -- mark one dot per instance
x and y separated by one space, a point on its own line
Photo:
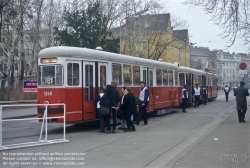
241 101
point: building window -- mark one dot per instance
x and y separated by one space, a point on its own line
3 39
1 67
27 51
144 45
16 52
16 66
1 52
27 67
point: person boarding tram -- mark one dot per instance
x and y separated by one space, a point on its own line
184 98
123 99
130 106
196 95
101 118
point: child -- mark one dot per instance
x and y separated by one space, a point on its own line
97 99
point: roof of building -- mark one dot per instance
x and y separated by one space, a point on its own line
181 35
150 23
199 51
146 23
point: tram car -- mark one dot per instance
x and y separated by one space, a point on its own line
191 77
74 76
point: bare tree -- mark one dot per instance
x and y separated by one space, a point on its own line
231 15
196 63
150 36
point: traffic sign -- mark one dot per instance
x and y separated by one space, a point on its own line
242 72
243 66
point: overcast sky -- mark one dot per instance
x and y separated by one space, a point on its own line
201 29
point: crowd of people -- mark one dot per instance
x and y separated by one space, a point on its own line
239 92
123 107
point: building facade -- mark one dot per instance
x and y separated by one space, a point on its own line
224 64
153 37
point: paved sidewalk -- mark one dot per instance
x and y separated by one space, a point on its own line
19 113
227 146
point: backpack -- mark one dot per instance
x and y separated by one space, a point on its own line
137 100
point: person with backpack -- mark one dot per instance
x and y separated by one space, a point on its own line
105 102
130 109
226 90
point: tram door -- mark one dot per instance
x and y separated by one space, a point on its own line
150 87
145 76
88 90
101 78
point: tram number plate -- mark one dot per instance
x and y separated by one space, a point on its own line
47 93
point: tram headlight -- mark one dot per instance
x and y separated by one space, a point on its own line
46 102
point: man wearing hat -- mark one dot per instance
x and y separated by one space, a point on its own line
184 98
143 104
241 101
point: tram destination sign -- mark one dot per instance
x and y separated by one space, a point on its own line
29 86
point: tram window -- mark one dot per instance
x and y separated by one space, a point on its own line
117 73
89 82
170 77
195 79
210 82
176 78
182 79
214 80
136 75
103 82
158 77
127 77
165 77
73 74
50 75
199 79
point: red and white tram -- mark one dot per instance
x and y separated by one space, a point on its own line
191 77
74 76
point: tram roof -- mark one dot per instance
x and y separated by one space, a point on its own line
191 70
76 52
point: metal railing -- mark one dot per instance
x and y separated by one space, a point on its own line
45 118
